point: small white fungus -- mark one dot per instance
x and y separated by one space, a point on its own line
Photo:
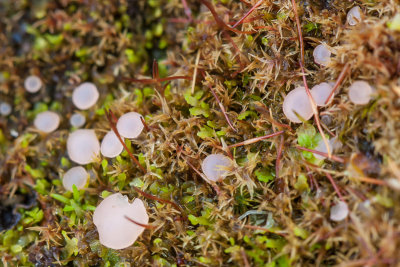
85 95
115 230
5 109
77 120
360 92
320 93
111 146
47 121
215 166
83 146
322 55
297 100
354 16
77 176
339 212
321 147
129 125
33 84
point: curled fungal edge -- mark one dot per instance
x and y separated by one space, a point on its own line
33 84
83 146
322 55
339 212
320 93
129 125
297 102
77 176
360 92
85 95
115 230
215 166
354 16
47 121
111 146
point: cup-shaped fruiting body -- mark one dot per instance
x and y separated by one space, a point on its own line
129 125
216 166
33 84
83 146
360 92
85 95
47 121
320 93
110 145
321 147
115 230
77 120
297 101
339 212
5 109
77 176
354 16
322 55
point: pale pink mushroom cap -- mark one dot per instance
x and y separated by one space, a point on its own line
215 166
75 176
297 100
129 125
322 55
320 93
354 16
110 145
85 95
339 212
115 231
83 146
33 84
47 121
321 147
77 120
5 109
360 92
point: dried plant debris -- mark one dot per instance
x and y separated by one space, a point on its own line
157 87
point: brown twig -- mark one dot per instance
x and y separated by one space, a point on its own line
256 139
140 224
248 13
333 157
278 157
254 227
145 124
338 81
335 186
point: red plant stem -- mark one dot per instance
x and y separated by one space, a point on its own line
312 177
145 124
296 14
338 81
254 227
140 224
278 157
150 81
214 185
248 13
244 256
333 157
256 139
110 116
335 186
187 10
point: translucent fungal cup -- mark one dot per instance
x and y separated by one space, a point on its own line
5 109
215 166
115 230
339 212
360 92
33 84
320 93
85 96
297 102
129 125
77 120
111 146
77 176
354 16
83 146
322 55
47 121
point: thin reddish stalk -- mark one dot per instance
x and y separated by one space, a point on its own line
312 177
335 186
140 224
338 81
145 124
278 157
248 13
256 139
244 256
333 157
214 185
187 10
296 14
150 81
254 227
371 180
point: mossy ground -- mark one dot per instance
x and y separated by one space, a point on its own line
264 214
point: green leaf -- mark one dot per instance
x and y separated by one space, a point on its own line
60 198
302 184
205 132
193 100
264 175
300 232
246 114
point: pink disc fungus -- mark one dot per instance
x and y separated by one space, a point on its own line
77 120
5 109
77 176
354 16
320 93
339 211
85 95
297 101
215 166
33 84
110 218
130 125
83 146
47 121
110 145
321 147
360 92
322 55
